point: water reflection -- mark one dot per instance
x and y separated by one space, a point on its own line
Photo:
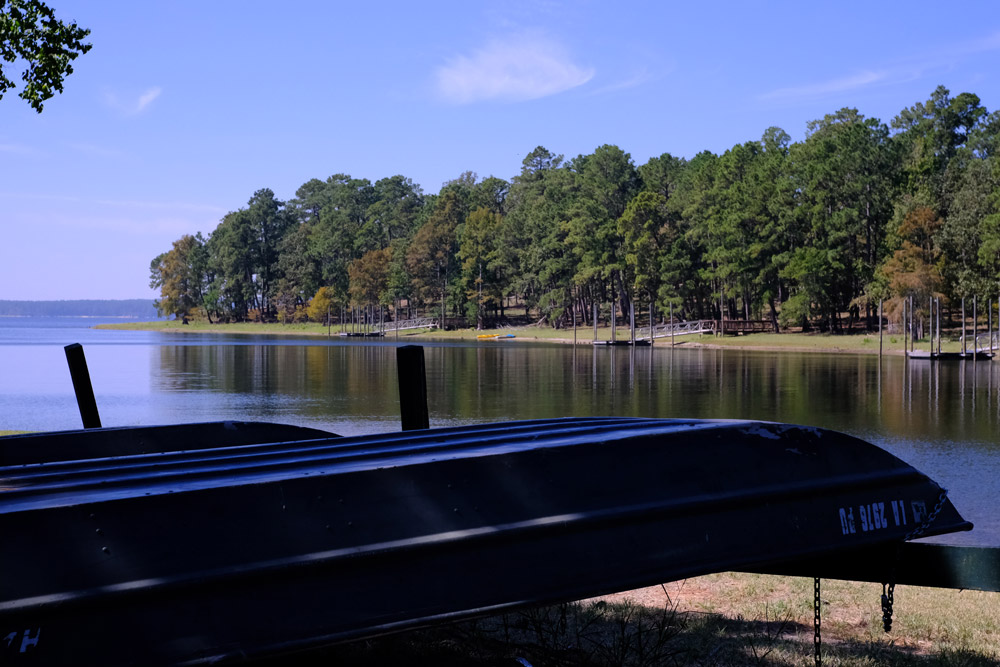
952 401
942 417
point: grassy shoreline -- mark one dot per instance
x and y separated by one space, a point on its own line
720 619
854 343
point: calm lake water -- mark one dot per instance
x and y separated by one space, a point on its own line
942 418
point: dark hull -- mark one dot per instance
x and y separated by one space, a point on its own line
244 550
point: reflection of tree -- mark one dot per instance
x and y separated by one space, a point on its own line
343 382
314 380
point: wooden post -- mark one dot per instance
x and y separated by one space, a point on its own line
672 324
652 340
975 316
595 322
573 310
722 312
81 385
614 317
631 320
904 326
939 325
930 324
963 325
913 330
880 327
909 324
412 377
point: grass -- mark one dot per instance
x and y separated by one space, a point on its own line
862 343
722 619
3 433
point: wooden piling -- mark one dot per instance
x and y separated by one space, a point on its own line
595 322
631 320
652 323
573 311
880 327
412 387
963 325
671 324
81 386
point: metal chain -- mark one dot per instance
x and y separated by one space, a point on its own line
889 588
817 639
919 530
887 593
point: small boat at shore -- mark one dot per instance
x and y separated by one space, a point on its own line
197 543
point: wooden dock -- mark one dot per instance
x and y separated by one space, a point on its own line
926 355
743 327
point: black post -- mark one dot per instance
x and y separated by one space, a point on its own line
412 387
81 385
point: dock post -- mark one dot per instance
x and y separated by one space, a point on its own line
652 339
939 325
905 344
81 385
595 321
573 309
913 329
963 325
631 321
614 318
930 323
975 327
880 328
412 376
672 324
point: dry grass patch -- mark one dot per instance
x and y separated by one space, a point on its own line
722 619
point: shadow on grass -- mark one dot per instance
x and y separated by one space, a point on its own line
624 635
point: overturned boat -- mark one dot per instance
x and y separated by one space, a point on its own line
230 540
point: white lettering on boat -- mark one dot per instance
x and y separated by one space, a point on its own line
873 516
847 520
29 639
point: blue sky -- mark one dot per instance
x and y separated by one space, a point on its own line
183 109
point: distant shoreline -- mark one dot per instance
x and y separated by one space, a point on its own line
859 343
81 317
139 309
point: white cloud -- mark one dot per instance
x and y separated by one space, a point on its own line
638 79
522 67
131 106
825 88
147 98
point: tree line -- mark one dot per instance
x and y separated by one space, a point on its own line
810 233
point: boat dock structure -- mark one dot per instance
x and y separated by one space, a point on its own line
983 347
